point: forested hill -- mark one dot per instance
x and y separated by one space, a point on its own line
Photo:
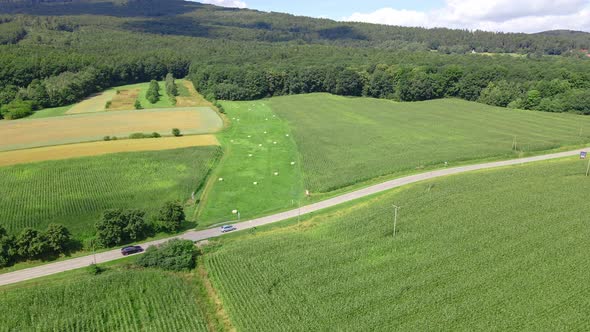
194 19
54 53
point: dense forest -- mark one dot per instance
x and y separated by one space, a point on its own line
53 53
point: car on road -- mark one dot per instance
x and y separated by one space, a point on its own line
227 228
129 250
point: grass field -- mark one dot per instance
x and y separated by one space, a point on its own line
188 96
50 112
117 300
60 152
75 192
259 148
344 141
20 134
499 250
122 98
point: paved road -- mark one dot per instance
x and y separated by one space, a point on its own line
75 263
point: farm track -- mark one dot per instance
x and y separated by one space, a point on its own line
53 268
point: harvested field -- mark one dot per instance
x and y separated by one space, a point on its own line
94 103
189 97
124 100
22 134
100 148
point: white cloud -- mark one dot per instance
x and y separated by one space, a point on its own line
226 3
492 15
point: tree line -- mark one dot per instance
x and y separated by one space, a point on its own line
32 244
556 89
116 227
64 59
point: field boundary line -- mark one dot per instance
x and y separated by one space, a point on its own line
99 148
72 264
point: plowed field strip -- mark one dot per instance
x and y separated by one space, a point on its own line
100 148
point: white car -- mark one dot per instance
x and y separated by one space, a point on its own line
227 228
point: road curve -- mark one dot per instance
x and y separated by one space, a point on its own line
75 263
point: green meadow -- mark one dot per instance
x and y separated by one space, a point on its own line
260 172
499 250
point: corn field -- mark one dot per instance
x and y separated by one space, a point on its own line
496 250
344 141
116 301
75 192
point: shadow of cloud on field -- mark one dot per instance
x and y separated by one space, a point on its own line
182 26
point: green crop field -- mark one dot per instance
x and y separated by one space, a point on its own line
75 192
499 250
259 149
50 112
344 141
120 300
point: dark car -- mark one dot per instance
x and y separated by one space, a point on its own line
131 250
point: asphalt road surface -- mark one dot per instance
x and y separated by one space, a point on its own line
75 263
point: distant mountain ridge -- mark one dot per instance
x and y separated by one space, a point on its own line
177 17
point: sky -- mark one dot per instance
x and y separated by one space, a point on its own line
490 15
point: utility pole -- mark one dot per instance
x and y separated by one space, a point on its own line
514 145
588 169
94 252
395 208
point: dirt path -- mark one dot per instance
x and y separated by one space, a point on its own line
53 268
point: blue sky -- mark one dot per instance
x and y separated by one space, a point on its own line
338 9
490 15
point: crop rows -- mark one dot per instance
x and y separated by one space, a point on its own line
344 141
75 192
495 250
116 301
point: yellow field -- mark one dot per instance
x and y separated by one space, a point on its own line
94 103
195 98
22 134
99 148
124 100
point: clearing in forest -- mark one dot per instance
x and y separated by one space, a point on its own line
99 148
124 100
188 96
94 103
21 134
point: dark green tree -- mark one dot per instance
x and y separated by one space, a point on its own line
57 237
30 244
174 255
7 248
153 92
137 105
172 216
